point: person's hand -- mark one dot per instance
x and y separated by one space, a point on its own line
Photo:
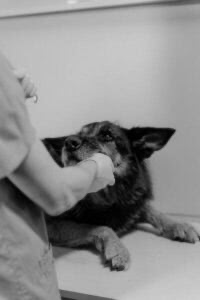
104 175
27 84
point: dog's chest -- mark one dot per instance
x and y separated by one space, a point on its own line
114 216
118 207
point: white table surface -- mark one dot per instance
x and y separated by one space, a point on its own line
160 270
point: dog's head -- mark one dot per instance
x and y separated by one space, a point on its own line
119 143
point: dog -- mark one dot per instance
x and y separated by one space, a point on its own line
103 217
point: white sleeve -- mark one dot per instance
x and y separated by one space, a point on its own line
16 132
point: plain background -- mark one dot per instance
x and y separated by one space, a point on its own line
134 65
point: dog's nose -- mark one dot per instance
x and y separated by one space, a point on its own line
72 143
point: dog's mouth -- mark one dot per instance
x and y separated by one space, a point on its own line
72 158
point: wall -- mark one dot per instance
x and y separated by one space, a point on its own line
136 65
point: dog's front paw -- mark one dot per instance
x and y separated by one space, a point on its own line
181 232
114 253
117 256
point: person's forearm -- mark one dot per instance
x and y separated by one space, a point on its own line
53 188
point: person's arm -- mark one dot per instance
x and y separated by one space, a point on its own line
44 182
58 189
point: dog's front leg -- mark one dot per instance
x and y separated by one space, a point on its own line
168 227
114 252
103 238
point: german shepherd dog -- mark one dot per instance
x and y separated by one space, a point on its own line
101 218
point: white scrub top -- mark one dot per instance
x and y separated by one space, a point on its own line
26 263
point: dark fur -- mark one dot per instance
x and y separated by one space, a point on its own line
101 218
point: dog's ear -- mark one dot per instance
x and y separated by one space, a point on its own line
146 140
54 146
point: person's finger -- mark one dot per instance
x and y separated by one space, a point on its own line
35 98
28 87
33 92
20 73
